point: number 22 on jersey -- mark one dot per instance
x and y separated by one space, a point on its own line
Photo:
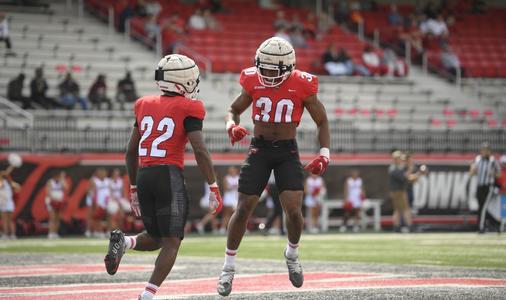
164 131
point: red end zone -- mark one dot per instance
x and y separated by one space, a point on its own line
258 283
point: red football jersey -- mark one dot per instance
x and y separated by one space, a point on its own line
160 120
281 104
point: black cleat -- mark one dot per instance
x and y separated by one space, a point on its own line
115 252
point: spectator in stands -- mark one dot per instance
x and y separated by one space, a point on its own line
297 38
283 33
436 27
126 12
372 62
98 93
412 35
281 21
215 6
15 91
153 8
211 22
4 34
394 18
325 22
337 63
356 17
152 28
430 9
395 65
140 9
450 61
398 180
296 23
125 91
173 29
340 63
268 4
38 90
69 93
310 30
341 11
174 23
197 21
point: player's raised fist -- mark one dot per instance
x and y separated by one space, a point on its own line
235 132
215 202
134 201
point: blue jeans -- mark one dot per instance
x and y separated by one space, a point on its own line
70 101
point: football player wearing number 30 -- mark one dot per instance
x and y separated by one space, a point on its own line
278 94
154 161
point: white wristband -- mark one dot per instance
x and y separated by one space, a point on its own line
133 186
214 184
229 124
325 152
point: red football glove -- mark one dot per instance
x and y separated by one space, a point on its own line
134 201
215 202
236 133
318 165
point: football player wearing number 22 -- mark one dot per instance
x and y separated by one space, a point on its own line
154 161
278 94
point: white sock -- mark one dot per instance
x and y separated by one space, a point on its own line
130 242
149 291
292 250
230 258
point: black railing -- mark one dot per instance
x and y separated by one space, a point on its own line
345 138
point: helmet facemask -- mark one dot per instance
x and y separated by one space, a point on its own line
271 75
275 61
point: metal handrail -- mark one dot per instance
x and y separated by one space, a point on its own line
17 109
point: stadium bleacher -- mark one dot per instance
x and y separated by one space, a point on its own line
419 107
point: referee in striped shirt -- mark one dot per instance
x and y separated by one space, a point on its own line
487 170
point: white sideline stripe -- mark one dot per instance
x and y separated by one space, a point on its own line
375 277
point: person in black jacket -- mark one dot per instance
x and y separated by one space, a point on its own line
38 90
15 91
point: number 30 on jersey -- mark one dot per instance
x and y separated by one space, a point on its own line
284 107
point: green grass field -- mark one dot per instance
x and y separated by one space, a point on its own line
442 249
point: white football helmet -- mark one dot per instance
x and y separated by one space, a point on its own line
275 54
178 74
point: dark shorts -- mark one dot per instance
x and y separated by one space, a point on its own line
265 156
163 200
